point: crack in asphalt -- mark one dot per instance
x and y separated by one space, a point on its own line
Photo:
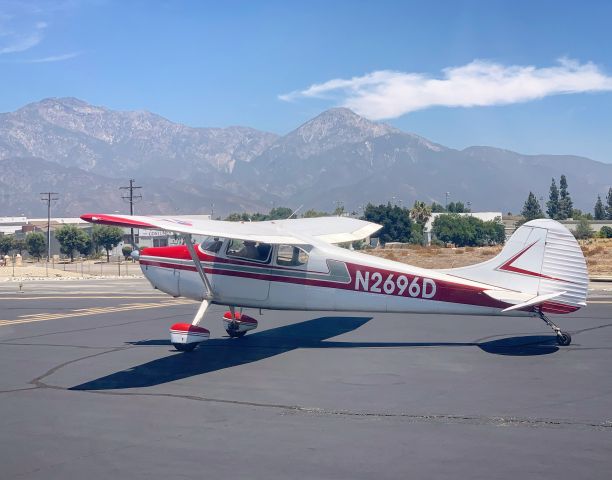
449 419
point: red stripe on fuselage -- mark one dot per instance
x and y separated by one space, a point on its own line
445 291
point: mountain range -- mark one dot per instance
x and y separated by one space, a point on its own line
86 152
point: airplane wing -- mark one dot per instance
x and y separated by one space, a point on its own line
291 231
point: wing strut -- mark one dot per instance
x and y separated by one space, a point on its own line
198 265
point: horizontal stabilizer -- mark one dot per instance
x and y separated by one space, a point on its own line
534 301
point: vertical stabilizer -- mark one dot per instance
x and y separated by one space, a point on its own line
542 257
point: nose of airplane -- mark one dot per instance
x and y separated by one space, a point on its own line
135 255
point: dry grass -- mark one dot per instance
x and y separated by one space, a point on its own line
598 253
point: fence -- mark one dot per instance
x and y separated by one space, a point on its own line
117 267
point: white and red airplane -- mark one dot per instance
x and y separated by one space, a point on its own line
295 264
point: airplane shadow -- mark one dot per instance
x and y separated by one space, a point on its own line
218 354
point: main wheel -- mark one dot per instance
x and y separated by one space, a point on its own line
235 334
185 347
564 339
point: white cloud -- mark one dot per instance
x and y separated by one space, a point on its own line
53 58
20 43
389 94
19 33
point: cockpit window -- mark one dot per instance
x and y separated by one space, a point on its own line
212 244
291 256
246 249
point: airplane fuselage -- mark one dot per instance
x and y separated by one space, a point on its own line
334 279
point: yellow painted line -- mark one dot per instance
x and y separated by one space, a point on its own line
91 311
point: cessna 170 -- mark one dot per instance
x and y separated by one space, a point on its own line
295 264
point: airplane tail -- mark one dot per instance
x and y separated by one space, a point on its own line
542 262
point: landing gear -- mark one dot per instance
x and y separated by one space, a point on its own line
185 337
563 338
237 324
233 332
185 347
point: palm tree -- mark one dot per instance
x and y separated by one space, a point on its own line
420 213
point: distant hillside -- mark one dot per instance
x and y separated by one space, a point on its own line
23 179
86 152
75 134
340 156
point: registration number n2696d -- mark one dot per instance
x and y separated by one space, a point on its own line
401 285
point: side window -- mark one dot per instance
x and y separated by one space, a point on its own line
211 244
248 250
290 256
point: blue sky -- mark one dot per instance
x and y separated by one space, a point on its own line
459 73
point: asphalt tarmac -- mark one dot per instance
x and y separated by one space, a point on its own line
91 388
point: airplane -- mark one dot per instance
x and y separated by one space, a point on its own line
296 264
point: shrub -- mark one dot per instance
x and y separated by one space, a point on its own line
605 232
126 250
583 229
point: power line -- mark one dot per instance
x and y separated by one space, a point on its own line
131 198
49 197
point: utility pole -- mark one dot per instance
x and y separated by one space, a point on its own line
131 198
446 206
49 197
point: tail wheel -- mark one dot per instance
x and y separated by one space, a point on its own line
564 339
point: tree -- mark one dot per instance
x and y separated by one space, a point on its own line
6 244
565 202
577 214
87 247
36 244
609 204
457 207
71 238
238 217
280 213
531 208
397 226
552 206
599 212
437 208
468 230
313 213
583 229
420 213
19 245
107 237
